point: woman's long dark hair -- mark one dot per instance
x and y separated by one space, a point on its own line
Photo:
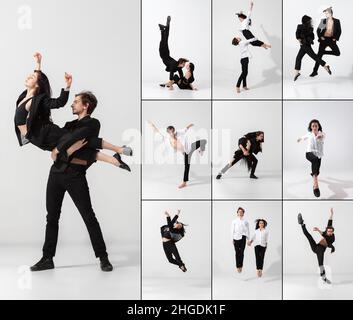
43 84
314 121
257 223
191 68
182 229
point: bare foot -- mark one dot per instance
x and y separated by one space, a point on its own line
237 89
183 185
239 270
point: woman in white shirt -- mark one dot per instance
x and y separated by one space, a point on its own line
240 233
245 23
260 240
314 151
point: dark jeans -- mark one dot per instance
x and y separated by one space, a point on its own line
328 42
238 155
318 249
244 72
75 184
248 35
187 157
307 49
239 246
172 253
315 163
260 256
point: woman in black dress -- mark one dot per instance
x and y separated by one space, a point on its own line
249 145
305 36
33 121
171 233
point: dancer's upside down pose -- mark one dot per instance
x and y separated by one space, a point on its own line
178 140
33 122
314 151
327 240
171 233
305 36
249 145
175 66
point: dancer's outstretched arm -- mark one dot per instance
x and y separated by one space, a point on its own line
330 218
317 230
155 129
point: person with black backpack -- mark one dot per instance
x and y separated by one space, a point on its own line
171 233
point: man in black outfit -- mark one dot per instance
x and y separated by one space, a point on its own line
328 32
172 65
69 174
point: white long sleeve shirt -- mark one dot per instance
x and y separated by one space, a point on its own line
315 144
260 238
245 24
244 48
240 228
182 142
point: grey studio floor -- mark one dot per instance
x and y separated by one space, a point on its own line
156 187
308 287
336 185
154 91
237 184
322 87
76 276
182 287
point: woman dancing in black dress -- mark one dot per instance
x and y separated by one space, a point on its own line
33 121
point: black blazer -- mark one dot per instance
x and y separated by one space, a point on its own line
305 34
336 29
40 113
172 67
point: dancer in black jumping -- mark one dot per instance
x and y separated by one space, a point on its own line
249 145
171 233
305 36
327 240
33 123
174 66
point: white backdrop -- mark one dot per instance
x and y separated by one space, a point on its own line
224 212
239 118
160 179
89 40
340 84
298 257
194 249
336 166
264 78
190 37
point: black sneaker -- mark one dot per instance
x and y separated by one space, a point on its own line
122 165
168 21
313 74
297 76
183 268
252 176
300 219
328 70
43 264
106 266
219 176
317 192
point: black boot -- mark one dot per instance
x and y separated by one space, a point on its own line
297 76
43 264
300 219
106 266
252 176
317 192
219 176
122 165
313 74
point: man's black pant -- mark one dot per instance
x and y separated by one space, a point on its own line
187 156
315 163
238 155
317 248
307 49
172 253
260 256
244 72
328 42
239 246
75 183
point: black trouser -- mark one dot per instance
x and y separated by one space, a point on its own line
75 184
315 163
164 50
307 49
328 42
317 248
172 253
260 256
238 155
244 72
248 35
187 157
239 246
